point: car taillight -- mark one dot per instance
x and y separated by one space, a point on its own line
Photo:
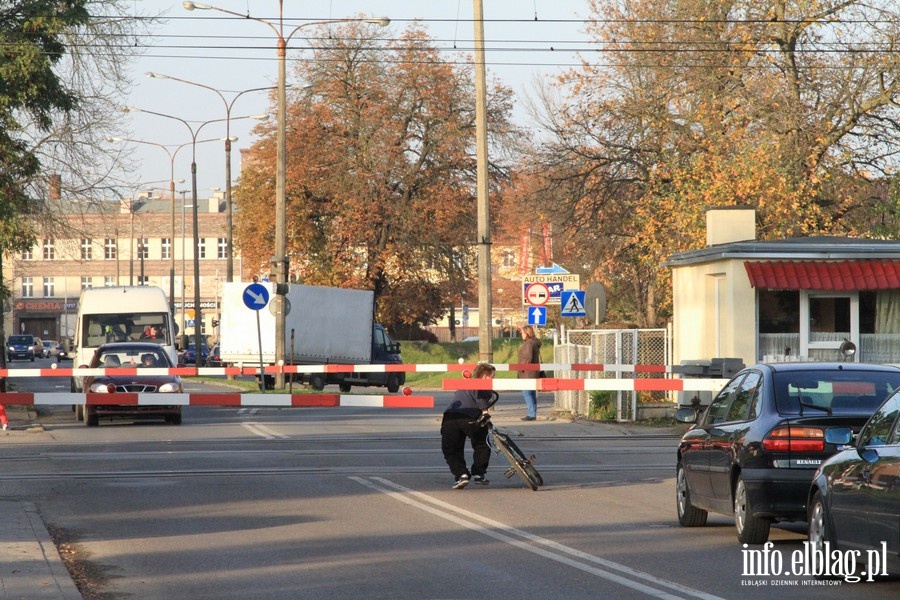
111 388
794 439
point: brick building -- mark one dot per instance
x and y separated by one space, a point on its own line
119 242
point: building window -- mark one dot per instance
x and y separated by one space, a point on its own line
86 282
143 248
109 281
143 280
223 248
109 249
49 250
201 248
27 255
27 287
87 249
48 287
166 248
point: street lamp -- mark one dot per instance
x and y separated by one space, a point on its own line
229 229
279 259
131 209
172 182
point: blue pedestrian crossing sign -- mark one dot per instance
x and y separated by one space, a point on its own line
571 303
537 315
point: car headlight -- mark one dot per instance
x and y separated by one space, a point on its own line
102 388
170 388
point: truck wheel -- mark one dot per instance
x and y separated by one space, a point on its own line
317 382
344 387
393 383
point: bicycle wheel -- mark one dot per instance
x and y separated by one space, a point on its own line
527 463
517 464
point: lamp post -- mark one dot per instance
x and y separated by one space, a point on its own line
171 154
131 209
280 259
229 228
194 132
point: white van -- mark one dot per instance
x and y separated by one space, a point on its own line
121 314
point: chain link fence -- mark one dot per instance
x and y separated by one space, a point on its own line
604 347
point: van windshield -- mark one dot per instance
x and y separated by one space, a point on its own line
127 327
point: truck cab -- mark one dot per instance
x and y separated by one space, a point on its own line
385 351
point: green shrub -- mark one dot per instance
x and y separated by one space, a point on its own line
603 405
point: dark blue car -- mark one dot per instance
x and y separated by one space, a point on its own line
753 452
854 499
190 355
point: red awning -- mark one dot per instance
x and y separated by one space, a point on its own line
847 275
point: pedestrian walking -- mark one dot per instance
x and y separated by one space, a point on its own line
3 420
459 424
529 354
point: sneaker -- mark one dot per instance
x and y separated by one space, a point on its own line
462 482
480 479
528 418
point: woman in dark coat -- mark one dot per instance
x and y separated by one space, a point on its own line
530 354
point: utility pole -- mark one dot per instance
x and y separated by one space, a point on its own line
485 310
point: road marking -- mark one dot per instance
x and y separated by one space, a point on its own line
536 544
263 431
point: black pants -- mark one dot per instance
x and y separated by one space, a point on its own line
455 428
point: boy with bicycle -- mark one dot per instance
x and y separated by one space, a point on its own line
460 422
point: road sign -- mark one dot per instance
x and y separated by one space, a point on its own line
595 302
572 303
555 282
255 296
554 268
537 315
537 294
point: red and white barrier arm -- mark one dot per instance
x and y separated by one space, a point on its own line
247 369
555 385
213 399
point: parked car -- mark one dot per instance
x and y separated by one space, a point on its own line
753 452
21 346
189 356
51 348
63 354
854 499
138 355
215 359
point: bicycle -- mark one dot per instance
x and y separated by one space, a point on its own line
501 443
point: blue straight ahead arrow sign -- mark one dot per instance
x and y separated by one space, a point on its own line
537 315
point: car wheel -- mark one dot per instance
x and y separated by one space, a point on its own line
750 529
91 419
819 529
688 514
173 419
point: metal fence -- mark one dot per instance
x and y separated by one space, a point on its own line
610 346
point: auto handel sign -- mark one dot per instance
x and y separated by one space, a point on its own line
555 283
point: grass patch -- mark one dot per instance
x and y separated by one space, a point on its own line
505 351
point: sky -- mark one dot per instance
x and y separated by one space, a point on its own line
524 40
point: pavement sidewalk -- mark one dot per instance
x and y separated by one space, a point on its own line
30 566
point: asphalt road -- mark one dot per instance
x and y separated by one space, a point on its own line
356 503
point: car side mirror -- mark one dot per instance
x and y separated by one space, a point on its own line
840 436
686 414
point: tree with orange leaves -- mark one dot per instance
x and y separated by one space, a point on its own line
789 108
381 172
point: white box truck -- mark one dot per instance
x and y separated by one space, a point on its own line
120 314
323 325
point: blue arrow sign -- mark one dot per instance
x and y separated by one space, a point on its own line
537 315
571 303
255 296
